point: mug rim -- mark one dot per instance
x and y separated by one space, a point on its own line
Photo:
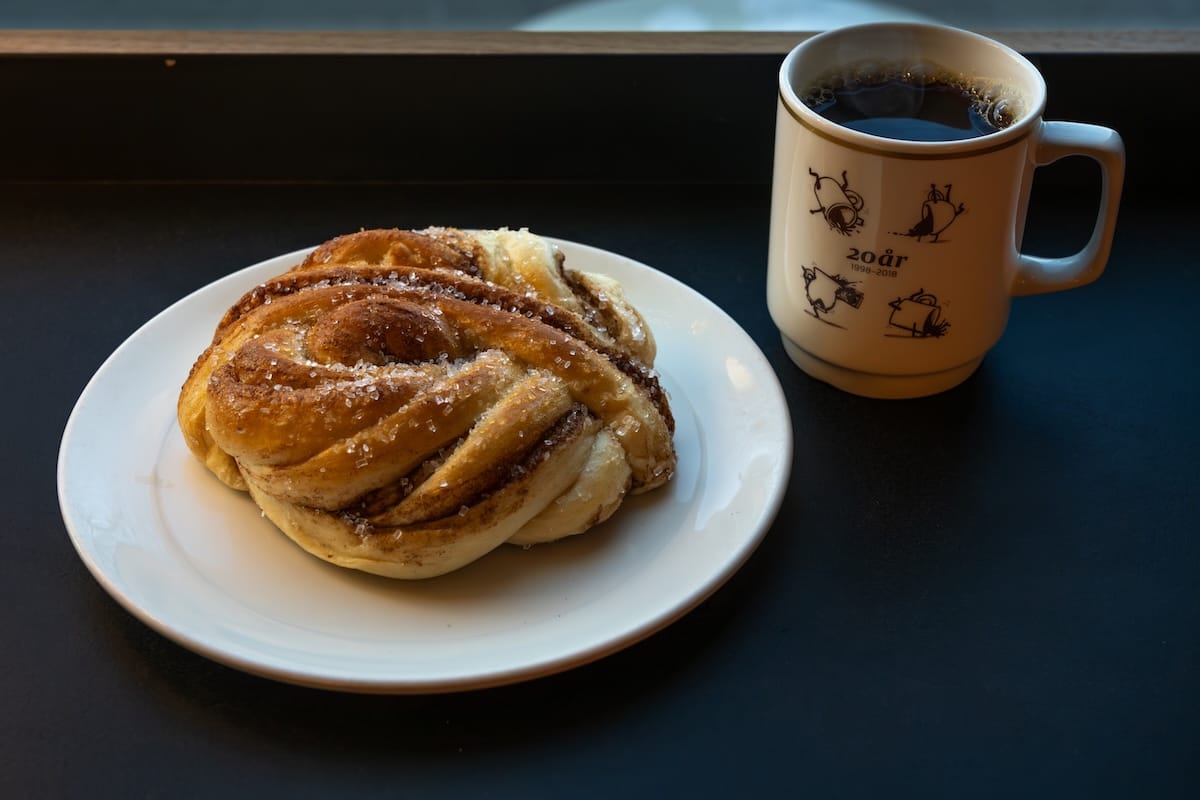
883 145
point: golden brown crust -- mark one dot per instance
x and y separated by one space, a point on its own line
390 416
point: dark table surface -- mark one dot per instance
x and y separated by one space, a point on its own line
985 593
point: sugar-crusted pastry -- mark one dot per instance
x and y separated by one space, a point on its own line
403 402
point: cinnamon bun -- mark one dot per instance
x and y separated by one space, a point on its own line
404 402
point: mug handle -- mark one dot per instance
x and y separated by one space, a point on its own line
1036 275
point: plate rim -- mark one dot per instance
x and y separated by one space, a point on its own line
576 657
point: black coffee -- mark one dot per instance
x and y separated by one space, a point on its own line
899 108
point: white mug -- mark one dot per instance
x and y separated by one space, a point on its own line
892 262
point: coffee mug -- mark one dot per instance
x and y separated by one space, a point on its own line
904 157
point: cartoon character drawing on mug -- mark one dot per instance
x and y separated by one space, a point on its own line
824 292
837 203
938 213
919 316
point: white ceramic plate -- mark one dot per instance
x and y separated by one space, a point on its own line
195 561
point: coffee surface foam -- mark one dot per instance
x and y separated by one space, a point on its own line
1000 105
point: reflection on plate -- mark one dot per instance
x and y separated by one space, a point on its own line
195 561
